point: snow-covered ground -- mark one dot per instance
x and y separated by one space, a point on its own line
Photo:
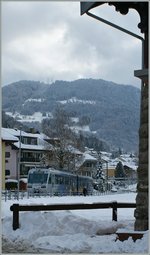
36 117
76 231
76 100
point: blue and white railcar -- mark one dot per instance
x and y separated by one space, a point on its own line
56 182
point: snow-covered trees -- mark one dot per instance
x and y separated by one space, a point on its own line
119 170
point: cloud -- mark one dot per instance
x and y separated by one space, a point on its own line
50 40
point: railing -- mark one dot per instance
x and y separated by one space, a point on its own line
26 159
13 194
15 208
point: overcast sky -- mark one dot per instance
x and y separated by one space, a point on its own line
48 41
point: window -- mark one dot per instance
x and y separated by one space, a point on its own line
88 164
7 154
7 172
59 179
29 140
66 179
24 140
37 177
34 141
49 180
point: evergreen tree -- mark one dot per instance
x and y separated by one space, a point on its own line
119 171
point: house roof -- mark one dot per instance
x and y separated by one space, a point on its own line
17 132
87 156
10 134
7 136
74 150
30 146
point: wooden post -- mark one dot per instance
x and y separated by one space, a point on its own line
15 209
114 210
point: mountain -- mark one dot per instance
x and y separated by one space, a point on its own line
112 110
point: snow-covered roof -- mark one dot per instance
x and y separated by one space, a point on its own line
17 133
30 146
43 136
105 153
89 157
131 166
113 163
25 180
13 135
14 132
7 136
11 180
74 150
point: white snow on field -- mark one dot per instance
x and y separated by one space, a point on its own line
84 128
76 100
36 117
34 100
76 231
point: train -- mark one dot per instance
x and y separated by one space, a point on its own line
56 182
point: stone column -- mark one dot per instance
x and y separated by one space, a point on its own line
141 211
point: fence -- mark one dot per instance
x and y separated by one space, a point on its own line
13 194
15 208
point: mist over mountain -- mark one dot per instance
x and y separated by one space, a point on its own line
111 110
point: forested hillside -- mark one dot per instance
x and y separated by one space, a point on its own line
112 110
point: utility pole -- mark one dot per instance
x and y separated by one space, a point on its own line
19 160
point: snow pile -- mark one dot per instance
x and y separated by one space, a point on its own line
76 231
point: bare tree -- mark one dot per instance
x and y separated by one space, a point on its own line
62 138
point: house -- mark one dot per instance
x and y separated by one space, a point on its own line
129 163
87 165
24 151
9 156
21 150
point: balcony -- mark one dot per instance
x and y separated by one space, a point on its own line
28 159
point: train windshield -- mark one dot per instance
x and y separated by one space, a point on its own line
37 177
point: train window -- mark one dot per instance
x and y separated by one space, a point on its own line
59 179
56 179
73 181
67 180
37 177
49 180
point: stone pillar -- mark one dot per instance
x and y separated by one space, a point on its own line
141 211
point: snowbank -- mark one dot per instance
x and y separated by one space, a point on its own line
78 231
